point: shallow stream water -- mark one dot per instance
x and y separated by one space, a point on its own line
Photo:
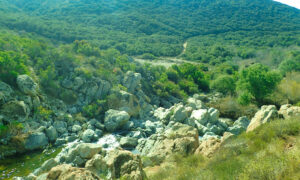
23 165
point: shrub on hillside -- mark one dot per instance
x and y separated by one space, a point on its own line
230 108
11 65
288 90
289 65
188 86
224 84
256 82
148 56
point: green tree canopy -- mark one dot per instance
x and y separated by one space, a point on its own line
256 82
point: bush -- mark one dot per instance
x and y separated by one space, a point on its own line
224 84
193 73
229 107
148 56
288 88
258 82
173 75
188 86
11 65
68 96
289 66
95 109
3 131
43 113
83 47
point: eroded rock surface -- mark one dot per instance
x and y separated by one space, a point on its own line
178 138
264 115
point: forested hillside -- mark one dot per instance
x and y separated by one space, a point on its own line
158 27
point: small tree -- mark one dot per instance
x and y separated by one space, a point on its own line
256 81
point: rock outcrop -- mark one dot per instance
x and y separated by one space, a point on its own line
288 111
51 134
78 154
67 172
36 141
27 85
131 81
115 119
15 111
239 125
89 136
178 138
208 147
128 102
5 93
117 164
264 115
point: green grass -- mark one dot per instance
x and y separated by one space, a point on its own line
272 151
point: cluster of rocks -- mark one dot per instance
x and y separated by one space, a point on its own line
62 126
90 161
133 124
266 114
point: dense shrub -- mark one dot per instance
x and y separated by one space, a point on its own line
94 109
193 73
289 66
256 82
11 65
224 84
148 56
43 113
287 90
229 107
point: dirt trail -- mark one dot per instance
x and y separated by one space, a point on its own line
166 61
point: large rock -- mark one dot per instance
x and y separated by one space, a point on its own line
91 90
5 93
15 111
51 133
214 115
67 172
180 113
288 111
27 85
115 119
76 128
60 126
78 154
264 115
88 136
128 102
208 147
239 125
201 116
46 166
128 142
36 141
195 103
162 114
178 138
131 80
117 164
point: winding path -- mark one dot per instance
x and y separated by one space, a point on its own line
166 61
